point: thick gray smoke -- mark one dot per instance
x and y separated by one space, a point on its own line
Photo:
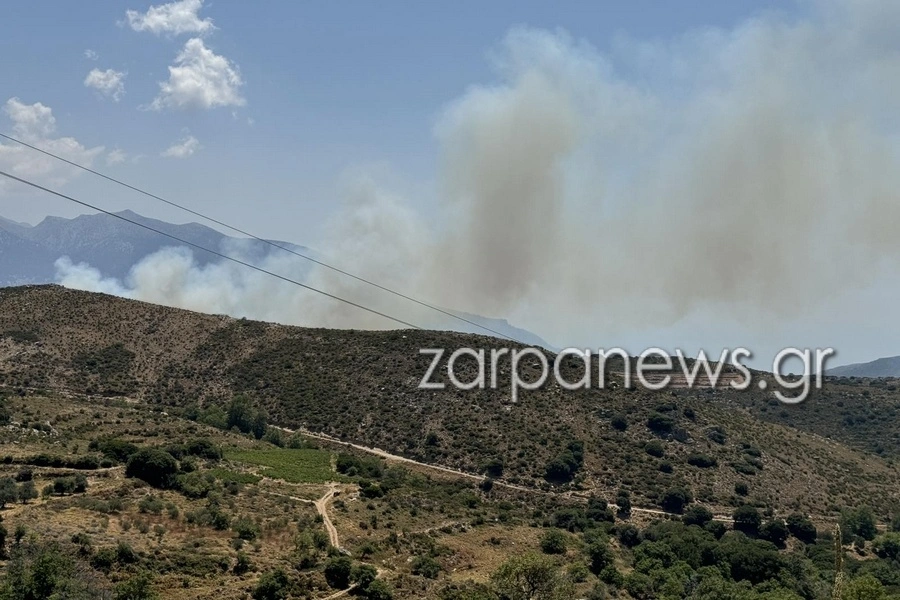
749 173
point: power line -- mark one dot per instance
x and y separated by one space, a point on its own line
259 239
213 252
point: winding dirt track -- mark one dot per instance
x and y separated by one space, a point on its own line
322 508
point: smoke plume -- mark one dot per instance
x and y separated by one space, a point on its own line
750 173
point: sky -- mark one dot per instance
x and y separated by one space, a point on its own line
325 89
692 174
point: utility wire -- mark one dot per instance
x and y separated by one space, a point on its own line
213 252
259 239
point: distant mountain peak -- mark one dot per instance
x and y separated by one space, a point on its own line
882 367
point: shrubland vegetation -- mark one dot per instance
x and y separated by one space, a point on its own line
139 459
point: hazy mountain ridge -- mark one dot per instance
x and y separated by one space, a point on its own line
110 245
113 246
882 367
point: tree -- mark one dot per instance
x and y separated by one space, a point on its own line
629 535
747 520
273 585
554 542
531 577
863 588
675 499
156 467
338 571
887 546
660 424
858 522
600 554
697 515
378 590
623 501
775 531
802 528
426 566
493 467
244 417
27 491
136 588
619 422
364 575
9 492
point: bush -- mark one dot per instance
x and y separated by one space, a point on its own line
338 571
802 528
196 484
702 461
426 566
9 491
858 522
138 587
117 450
246 529
493 467
600 554
157 467
242 564
244 417
363 576
151 504
629 535
273 585
747 520
717 434
203 448
554 542
887 546
655 448
775 531
697 515
675 499
660 424
378 590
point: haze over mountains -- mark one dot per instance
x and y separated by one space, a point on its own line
99 252
882 367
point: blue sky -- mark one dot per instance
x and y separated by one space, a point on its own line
693 174
328 87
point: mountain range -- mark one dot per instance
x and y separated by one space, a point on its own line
882 367
113 246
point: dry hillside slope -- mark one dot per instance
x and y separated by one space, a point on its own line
361 386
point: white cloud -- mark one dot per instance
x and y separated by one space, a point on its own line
36 125
115 157
183 149
200 78
109 83
91 55
172 18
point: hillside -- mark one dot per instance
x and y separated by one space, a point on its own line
125 472
882 367
362 386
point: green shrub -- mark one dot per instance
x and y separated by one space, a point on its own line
156 467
